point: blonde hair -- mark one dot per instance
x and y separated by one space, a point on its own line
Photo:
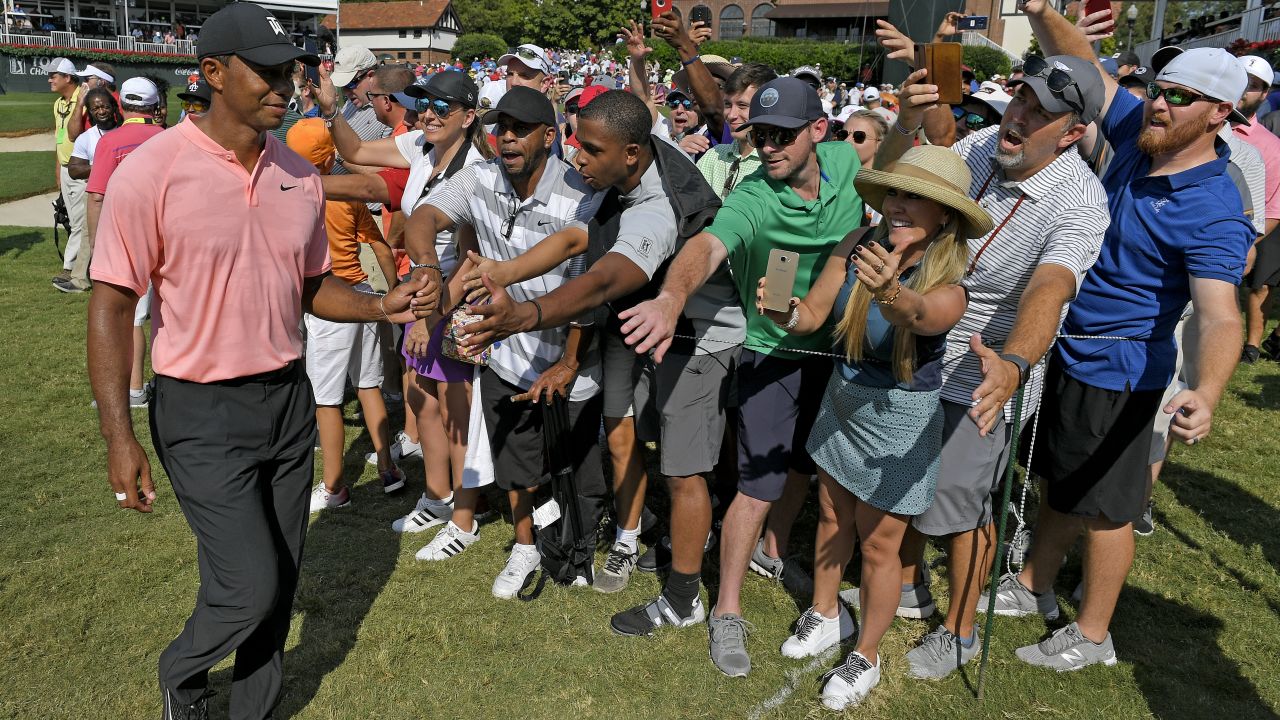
943 264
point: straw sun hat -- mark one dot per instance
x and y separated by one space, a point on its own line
933 172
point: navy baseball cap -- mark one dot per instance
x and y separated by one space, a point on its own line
785 102
251 32
447 85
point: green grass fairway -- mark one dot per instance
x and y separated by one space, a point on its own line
23 174
90 595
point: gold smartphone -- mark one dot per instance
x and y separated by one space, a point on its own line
781 277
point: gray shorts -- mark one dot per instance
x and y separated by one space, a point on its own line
619 366
681 406
971 470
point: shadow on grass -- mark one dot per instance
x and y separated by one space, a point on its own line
1267 396
17 243
1178 663
1237 513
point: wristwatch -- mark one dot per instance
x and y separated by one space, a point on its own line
1024 367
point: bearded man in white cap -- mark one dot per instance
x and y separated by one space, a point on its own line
1178 233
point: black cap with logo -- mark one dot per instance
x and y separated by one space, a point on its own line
448 85
785 102
197 91
251 32
525 105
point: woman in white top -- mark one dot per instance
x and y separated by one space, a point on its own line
438 390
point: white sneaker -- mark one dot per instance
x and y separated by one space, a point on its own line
322 499
816 632
450 541
426 514
523 562
401 447
850 683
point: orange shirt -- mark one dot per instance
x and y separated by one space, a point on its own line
226 251
349 224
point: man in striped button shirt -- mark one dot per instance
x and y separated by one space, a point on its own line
1051 213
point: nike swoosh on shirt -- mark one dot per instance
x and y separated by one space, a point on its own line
283 187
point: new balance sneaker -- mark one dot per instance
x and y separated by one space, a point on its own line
1249 355
643 620
729 643
1272 346
401 447
849 684
322 499
1145 525
520 567
142 398
815 632
788 572
450 541
426 514
392 480
1067 650
916 601
1013 599
941 653
618 566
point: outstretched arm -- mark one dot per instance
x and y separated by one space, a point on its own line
651 325
537 260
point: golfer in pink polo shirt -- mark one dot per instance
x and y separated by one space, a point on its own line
228 225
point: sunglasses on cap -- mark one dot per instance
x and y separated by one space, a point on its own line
526 54
776 136
1057 80
972 120
440 108
1175 96
677 102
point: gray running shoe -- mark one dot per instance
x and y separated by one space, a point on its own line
1067 650
1013 599
729 643
916 602
939 654
788 572
618 566
1145 525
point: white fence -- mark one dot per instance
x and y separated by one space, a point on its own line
69 40
973 38
1250 25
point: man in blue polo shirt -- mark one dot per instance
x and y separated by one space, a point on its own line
1178 233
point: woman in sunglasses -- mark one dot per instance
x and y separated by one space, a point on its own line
864 130
893 292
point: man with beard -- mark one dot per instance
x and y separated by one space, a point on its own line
1050 212
1178 234
1265 265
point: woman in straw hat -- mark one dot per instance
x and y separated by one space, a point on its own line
893 292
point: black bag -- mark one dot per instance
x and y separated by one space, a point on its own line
568 545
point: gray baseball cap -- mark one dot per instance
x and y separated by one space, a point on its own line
784 102
1084 92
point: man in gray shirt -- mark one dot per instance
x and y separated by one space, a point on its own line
656 200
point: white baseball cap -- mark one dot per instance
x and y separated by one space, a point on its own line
349 62
60 65
870 94
1213 72
139 91
991 94
1258 68
93 71
532 56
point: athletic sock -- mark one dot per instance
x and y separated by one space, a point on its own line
446 500
969 641
629 538
137 393
682 590
908 587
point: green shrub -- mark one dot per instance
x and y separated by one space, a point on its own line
986 61
478 45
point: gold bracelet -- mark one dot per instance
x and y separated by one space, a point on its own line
383 308
893 299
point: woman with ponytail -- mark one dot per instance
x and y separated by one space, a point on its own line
893 293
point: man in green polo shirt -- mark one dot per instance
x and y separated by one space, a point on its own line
804 202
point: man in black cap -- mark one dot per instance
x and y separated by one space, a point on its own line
196 98
515 202
804 201
232 420
1127 63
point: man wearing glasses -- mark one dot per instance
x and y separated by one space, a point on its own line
803 202
1178 234
353 72
1050 212
725 165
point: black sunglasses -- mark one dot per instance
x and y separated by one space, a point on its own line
1175 96
776 136
1057 80
972 120
370 95
359 78
687 103
440 108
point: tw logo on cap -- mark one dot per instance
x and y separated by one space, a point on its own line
769 97
275 25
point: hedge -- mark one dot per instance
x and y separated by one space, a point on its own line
115 56
478 45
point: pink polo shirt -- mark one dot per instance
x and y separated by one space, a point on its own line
1268 146
225 250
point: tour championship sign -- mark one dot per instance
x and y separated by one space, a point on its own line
22 68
